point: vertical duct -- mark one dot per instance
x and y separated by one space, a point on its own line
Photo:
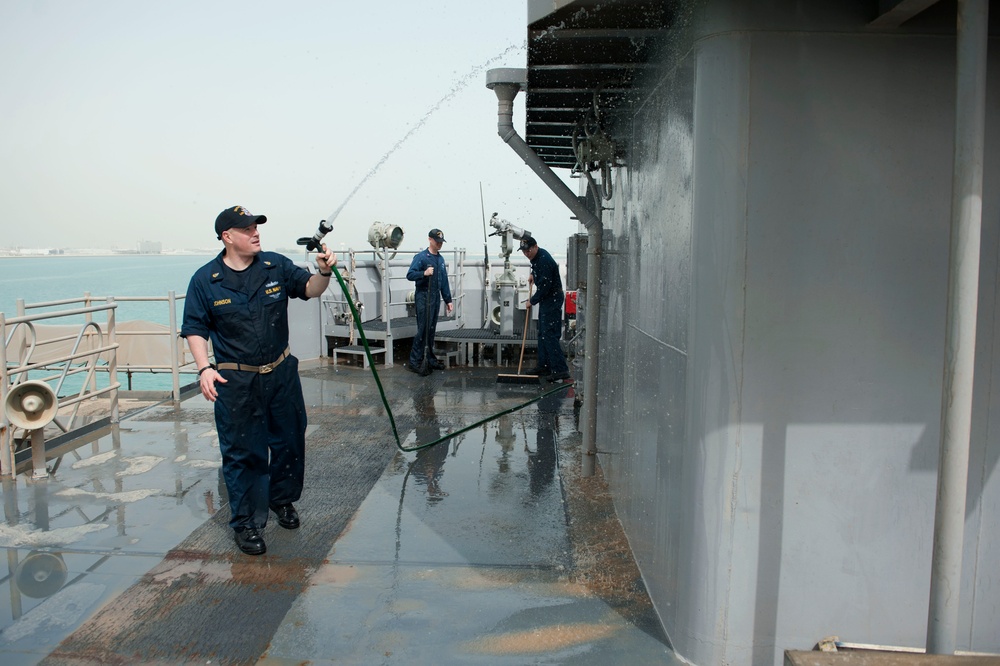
506 83
960 333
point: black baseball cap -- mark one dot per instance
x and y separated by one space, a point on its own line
236 217
436 234
527 242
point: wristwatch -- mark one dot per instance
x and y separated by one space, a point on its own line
210 365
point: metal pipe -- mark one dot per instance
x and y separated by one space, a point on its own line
6 430
506 83
386 296
175 361
591 341
112 361
960 335
38 468
460 287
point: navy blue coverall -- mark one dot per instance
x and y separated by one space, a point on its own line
427 303
260 417
548 297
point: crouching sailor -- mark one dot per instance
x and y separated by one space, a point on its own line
239 301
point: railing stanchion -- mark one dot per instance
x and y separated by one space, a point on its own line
113 359
88 317
6 430
174 359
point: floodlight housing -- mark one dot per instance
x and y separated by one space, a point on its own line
385 235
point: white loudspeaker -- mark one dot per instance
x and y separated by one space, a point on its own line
495 316
31 405
40 575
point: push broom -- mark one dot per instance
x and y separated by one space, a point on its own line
519 378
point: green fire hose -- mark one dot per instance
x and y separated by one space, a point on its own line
385 402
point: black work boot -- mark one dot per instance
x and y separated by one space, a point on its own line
250 540
288 517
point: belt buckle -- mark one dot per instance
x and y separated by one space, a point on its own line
265 369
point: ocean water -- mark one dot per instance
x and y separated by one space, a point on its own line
60 277
51 278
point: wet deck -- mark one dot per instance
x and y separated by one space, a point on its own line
487 548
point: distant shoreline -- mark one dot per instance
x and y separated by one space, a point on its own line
110 253
293 253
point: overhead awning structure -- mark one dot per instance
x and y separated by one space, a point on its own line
584 60
587 58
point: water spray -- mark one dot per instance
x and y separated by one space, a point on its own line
457 87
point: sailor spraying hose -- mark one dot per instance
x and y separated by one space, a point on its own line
378 382
239 301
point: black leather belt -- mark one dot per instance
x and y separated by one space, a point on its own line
259 369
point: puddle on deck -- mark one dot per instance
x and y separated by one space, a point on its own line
464 552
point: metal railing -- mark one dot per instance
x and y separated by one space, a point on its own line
337 311
178 359
64 365
85 349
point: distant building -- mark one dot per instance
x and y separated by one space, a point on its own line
150 247
32 251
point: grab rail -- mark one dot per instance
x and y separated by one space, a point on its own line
23 351
178 355
64 363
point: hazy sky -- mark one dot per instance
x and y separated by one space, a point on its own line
123 121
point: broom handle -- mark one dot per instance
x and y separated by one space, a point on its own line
524 336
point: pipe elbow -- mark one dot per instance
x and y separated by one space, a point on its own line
506 132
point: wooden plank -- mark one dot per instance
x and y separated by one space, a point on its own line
884 658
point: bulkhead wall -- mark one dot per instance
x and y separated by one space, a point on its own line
775 280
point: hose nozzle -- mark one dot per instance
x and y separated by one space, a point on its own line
315 242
